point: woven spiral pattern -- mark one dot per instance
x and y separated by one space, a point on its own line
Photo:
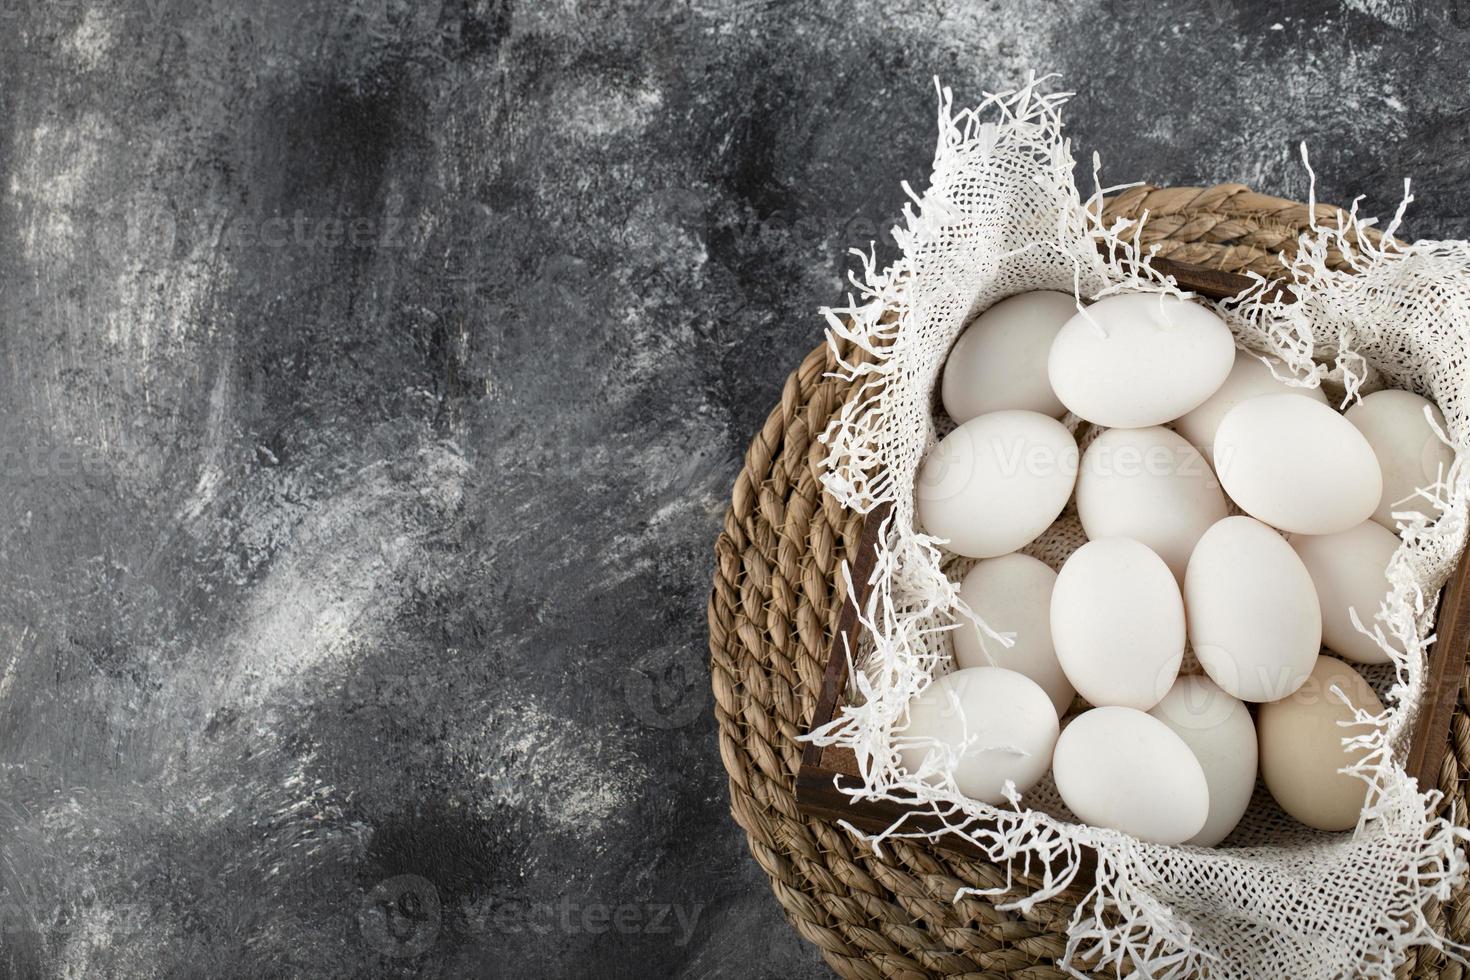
774 609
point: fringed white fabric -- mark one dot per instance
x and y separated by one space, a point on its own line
1002 215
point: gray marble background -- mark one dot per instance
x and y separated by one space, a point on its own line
372 379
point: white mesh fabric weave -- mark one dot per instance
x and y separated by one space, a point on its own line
1003 215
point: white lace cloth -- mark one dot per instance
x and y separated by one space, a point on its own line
1003 214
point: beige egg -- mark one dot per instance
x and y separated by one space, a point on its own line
1254 620
1122 769
985 726
1349 570
1296 464
1409 451
1152 486
1249 377
1139 359
999 362
1117 621
1219 731
996 482
1302 751
1012 594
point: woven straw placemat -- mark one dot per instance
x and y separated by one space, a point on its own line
773 611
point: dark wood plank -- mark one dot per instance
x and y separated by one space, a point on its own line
1447 660
1207 282
1213 283
834 677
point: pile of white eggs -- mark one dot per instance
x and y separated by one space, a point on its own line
1188 424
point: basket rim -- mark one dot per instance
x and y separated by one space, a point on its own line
776 603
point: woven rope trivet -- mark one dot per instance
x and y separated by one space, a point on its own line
773 611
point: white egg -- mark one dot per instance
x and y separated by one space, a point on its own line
1302 751
1139 359
993 724
999 362
1219 731
1122 769
1012 594
1248 378
1410 454
1349 570
1150 485
1297 465
996 482
1117 621
1254 621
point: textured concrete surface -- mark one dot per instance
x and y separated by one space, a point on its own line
372 377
